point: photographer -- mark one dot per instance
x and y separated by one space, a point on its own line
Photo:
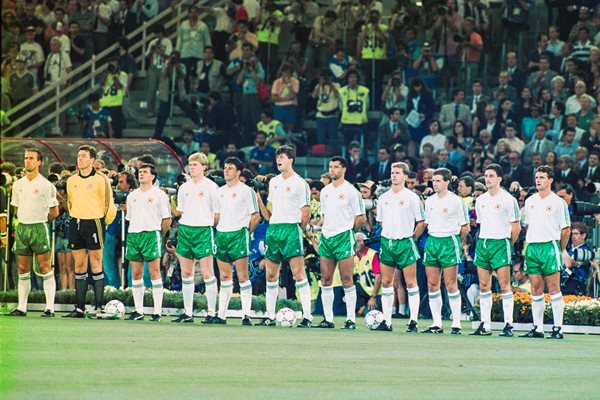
159 50
327 95
471 46
171 90
428 66
395 93
347 19
322 40
95 120
448 22
268 32
114 87
354 102
574 275
371 50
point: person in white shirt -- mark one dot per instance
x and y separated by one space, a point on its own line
435 137
499 217
196 204
343 213
149 216
548 232
401 214
288 213
448 224
34 199
237 217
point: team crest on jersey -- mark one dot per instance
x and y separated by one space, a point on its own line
201 194
234 195
498 207
549 208
341 196
445 210
401 203
90 186
36 191
150 200
288 189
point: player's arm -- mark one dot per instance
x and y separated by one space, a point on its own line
262 207
217 217
565 235
464 229
254 218
305 216
419 229
515 231
359 221
165 225
53 213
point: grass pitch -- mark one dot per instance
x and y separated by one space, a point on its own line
93 359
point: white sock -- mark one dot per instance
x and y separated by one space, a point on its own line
211 295
246 296
304 291
49 289
327 299
485 303
157 295
187 290
350 295
137 287
538 306
558 309
24 289
414 302
508 306
387 303
224 296
271 298
456 306
435 305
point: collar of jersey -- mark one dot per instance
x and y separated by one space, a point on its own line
91 174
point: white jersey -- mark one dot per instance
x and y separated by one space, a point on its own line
445 216
235 205
198 202
146 210
495 215
398 213
339 206
287 197
545 218
33 199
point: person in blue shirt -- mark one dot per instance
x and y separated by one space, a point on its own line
95 120
574 275
262 157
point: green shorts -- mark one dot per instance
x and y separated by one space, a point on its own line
543 258
492 254
31 239
338 247
398 253
284 241
195 242
232 245
442 252
143 246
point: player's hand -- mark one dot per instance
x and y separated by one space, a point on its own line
514 187
260 178
566 259
372 304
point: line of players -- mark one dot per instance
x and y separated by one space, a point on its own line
233 210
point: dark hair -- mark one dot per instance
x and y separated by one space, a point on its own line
354 72
209 48
496 168
152 169
268 112
239 165
330 14
316 185
247 45
546 170
339 159
567 188
90 149
477 81
123 42
147 159
93 97
131 181
289 151
444 173
393 110
354 144
456 92
213 94
159 28
40 157
453 141
469 182
242 22
581 227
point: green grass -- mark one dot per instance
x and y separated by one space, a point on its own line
75 359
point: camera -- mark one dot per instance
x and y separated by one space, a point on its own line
403 18
6 179
584 255
57 182
120 197
426 48
369 204
259 185
126 168
323 98
593 187
385 183
396 82
354 106
219 180
460 38
585 208
173 60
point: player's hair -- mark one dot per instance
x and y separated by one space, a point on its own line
90 149
339 159
147 159
236 162
402 166
200 157
496 168
445 173
152 169
546 170
289 151
40 157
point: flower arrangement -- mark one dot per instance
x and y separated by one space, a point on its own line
579 310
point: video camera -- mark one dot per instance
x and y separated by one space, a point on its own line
585 208
584 255
57 182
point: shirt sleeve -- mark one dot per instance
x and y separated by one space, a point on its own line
427 214
463 217
380 212
180 201
419 210
564 220
165 208
15 197
129 204
305 195
515 212
52 201
359 206
253 206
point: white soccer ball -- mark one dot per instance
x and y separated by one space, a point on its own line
373 319
115 307
286 317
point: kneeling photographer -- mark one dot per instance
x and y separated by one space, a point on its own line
576 262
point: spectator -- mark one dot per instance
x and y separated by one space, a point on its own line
477 97
354 102
573 122
144 10
466 187
220 115
272 128
559 122
582 47
573 103
505 114
193 35
33 52
540 144
322 40
472 48
554 46
394 130
585 114
211 73
394 94
566 146
535 56
517 75
340 64
124 21
454 111
77 53
444 161
529 122
382 169
515 172
58 63
237 39
445 26
541 77
126 61
428 65
346 23
158 51
558 91
574 275
511 139
114 84
580 162
103 11
213 163
358 168
421 102
262 156
22 83
189 146
305 14
284 93
95 120
268 32
435 138
86 19
222 32
327 95
566 174
591 173
455 156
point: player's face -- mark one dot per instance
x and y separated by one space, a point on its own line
230 172
31 161
145 176
336 170
283 162
84 161
542 182
492 181
196 169
398 177
439 184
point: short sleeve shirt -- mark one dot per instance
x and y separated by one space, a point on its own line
445 216
33 199
197 202
398 213
235 205
495 215
146 210
340 205
287 197
545 218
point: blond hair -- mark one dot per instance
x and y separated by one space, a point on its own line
200 157
402 166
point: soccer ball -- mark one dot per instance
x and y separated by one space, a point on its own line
286 317
115 308
373 319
